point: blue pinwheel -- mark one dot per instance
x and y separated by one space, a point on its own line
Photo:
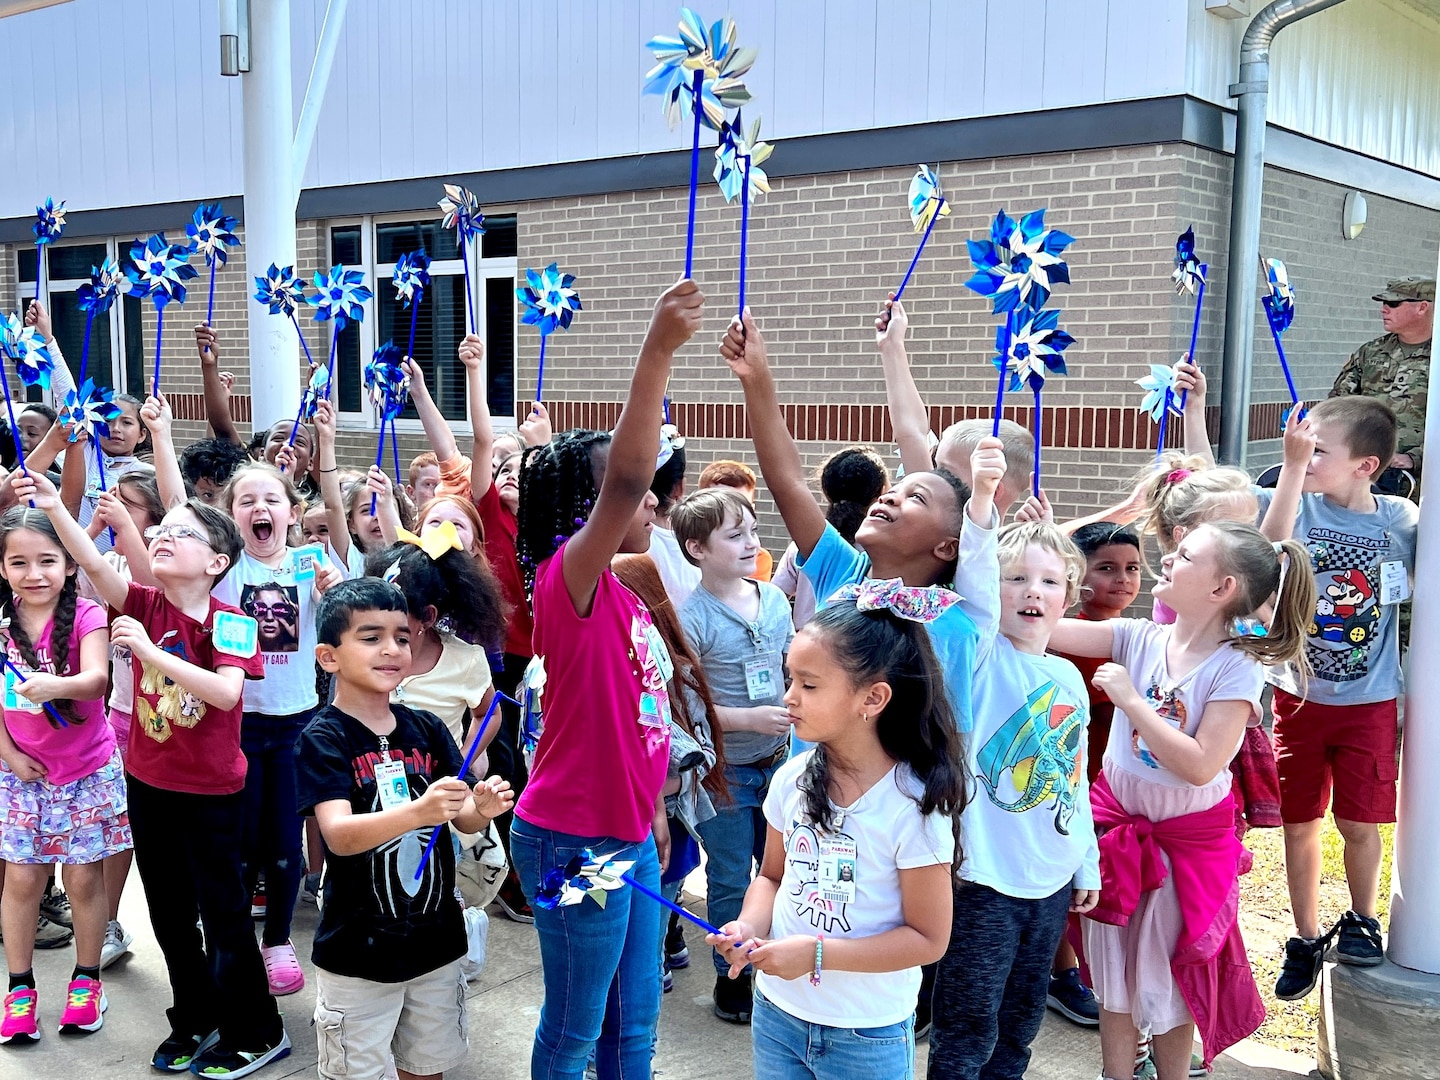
24 345
412 278
159 269
339 298
49 224
461 211
1019 263
1280 313
309 397
927 206
95 297
212 233
388 385
281 290
547 303
1159 401
592 876
1188 277
1028 347
738 158
90 410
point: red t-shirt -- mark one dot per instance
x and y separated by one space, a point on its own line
1102 710
501 529
177 741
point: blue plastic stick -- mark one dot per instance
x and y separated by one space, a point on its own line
540 379
1004 375
1164 416
210 306
1195 329
1285 367
744 232
159 337
48 707
330 373
696 107
933 218
1035 480
379 460
625 877
395 452
465 262
100 465
464 769
85 348
14 428
304 392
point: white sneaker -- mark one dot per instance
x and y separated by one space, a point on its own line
117 944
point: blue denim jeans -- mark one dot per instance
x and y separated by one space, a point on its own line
602 979
734 845
787 1048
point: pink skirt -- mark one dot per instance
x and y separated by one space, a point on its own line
81 822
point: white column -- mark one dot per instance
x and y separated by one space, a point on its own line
1415 899
269 207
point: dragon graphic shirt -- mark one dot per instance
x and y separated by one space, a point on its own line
845 882
381 920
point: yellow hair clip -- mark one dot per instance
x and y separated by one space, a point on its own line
434 541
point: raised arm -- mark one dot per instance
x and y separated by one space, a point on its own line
110 586
630 468
1279 521
74 472
908 416
442 439
111 512
61 380
217 399
743 348
328 473
1190 381
155 414
472 355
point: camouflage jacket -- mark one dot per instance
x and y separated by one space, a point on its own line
1397 374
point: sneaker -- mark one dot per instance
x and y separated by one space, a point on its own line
667 981
923 1012
1197 1066
19 1020
227 1063
257 902
1359 942
733 998
1072 999
677 953
85 1007
177 1052
55 906
310 890
1145 1070
117 944
512 900
52 935
282 969
1303 959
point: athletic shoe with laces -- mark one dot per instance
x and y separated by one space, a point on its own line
734 998
19 1018
52 935
85 1007
512 900
224 1062
667 982
1072 999
1359 941
55 906
257 902
1304 957
677 953
282 969
117 944
178 1052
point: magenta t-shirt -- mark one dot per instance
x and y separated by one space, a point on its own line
68 753
605 746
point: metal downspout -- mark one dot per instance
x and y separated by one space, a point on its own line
1252 92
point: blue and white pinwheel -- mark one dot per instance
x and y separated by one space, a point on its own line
1020 262
412 276
735 148
49 222
462 213
1032 350
159 269
1159 387
1280 301
1189 273
713 53
98 294
926 200
547 299
89 409
24 345
588 875
339 296
386 381
212 233
281 290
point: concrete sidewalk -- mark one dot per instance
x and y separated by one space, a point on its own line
504 1005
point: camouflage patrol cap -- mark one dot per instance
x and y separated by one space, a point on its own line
1410 288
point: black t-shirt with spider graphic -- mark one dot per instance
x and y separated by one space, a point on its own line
379 922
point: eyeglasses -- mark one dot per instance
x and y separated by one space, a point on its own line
272 611
1392 304
176 532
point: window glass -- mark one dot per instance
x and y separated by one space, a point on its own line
73 262
439 327
500 344
345 245
500 240
396 238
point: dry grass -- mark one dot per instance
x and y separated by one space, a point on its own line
1265 919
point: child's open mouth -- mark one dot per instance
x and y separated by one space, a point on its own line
880 514
262 530
1031 613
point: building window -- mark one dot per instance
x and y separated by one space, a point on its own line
372 245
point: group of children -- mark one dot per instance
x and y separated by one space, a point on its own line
924 798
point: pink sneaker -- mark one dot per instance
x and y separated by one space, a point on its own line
85 1007
19 1022
282 968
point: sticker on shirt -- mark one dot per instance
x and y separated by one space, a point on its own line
648 652
276 611
303 562
807 850
235 635
1170 707
659 652
392 785
762 681
1394 583
14 700
1035 757
655 711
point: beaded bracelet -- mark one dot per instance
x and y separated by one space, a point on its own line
819 956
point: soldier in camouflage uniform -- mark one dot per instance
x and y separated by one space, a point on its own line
1395 367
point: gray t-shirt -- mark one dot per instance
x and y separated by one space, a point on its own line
745 662
1354 643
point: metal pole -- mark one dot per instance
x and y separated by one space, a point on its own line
269 206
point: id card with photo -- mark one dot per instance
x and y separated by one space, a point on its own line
837 869
392 783
762 679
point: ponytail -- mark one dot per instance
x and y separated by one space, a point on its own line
1262 570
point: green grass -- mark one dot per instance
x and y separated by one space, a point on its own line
1265 919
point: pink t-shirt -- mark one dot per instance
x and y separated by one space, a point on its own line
68 753
605 747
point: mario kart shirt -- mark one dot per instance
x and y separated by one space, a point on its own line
1363 564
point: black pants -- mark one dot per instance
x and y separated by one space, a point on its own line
272 836
507 756
187 849
991 984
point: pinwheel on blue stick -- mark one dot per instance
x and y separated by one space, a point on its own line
927 206
1159 400
1020 262
95 297
90 410
389 388
23 345
339 298
212 234
587 875
412 278
462 213
1189 279
159 269
49 224
1028 346
701 73
738 158
549 303
1279 313
310 395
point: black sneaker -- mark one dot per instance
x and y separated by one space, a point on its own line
677 953
923 1008
225 1062
177 1052
1359 942
55 906
734 998
1303 959
512 900
1072 999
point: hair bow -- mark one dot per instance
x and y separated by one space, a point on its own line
923 605
1177 475
434 541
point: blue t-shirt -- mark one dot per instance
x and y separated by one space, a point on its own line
954 635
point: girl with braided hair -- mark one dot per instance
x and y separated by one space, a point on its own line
62 786
600 766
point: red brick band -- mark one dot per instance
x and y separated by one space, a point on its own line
192 407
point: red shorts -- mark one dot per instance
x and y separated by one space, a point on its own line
1349 747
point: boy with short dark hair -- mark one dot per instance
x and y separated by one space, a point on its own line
380 779
1336 726
207 465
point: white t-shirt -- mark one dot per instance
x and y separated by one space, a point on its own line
679 577
459 680
1225 675
877 836
282 601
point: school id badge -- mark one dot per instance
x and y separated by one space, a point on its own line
303 562
14 700
392 784
837 869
